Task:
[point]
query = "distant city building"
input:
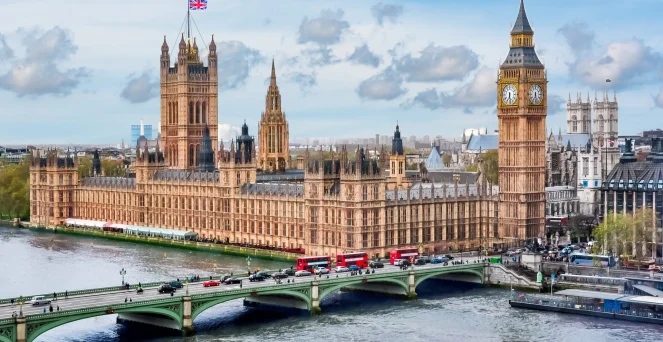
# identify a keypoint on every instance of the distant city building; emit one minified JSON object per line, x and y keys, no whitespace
{"x":138,"y":130}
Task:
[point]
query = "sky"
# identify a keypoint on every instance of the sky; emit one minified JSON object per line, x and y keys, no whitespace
{"x":74,"y":72}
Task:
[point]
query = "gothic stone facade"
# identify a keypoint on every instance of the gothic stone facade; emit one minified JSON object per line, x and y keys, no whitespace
{"x":336,"y":205}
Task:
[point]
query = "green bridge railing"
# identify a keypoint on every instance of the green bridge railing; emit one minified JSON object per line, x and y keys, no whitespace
{"x":113,"y":288}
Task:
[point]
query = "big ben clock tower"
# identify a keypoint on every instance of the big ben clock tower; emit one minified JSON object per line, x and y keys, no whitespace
{"x":521,"y":112}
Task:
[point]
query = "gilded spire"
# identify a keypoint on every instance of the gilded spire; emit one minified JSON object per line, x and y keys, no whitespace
{"x":522,"y":24}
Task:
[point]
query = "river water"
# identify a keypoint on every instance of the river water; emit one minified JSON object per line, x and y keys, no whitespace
{"x":37,"y":262}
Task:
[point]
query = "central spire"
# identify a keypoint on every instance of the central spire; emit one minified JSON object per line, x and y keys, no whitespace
{"x":272,"y":81}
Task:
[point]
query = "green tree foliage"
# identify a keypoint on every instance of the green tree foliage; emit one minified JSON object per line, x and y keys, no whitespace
{"x":412,"y":166}
{"x":490,"y":166}
{"x":15,"y":190}
{"x":626,"y":234}
{"x":113,"y":168}
{"x":472,"y":168}
{"x":84,"y":166}
{"x":446,"y":159}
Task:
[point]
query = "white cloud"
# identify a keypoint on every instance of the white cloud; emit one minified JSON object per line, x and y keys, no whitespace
{"x":38,"y":72}
{"x":325,"y":29}
{"x":383,"y":13}
{"x":624,"y":63}
{"x":556,"y":104}
{"x":6,"y":52}
{"x":140,"y":88}
{"x":658,"y":100}
{"x":304,"y":81}
{"x":363,"y":55}
{"x":478,"y":92}
{"x":386,"y":85}
{"x":235,"y":62}
{"x":228,"y":132}
{"x":438,"y":63}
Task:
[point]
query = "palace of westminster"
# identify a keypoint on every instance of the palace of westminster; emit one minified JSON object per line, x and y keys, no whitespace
{"x":253,"y":192}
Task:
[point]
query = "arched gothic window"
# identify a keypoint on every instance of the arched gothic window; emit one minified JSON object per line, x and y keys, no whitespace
{"x":204,"y":112}
{"x":191,"y":112}
{"x":601,"y":123}
{"x":574,"y":124}
{"x":197,"y":112}
{"x":191,"y":155}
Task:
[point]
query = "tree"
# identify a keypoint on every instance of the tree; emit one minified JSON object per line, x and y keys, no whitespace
{"x":490,"y":166}
{"x":446,"y":159}
{"x":113,"y":168}
{"x":15,"y":190}
{"x":471,"y":168}
{"x":84,"y":166}
{"x":627,"y":234}
{"x":580,"y":225}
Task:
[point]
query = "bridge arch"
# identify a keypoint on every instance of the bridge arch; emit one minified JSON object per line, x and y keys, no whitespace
{"x":201,"y":305}
{"x":442,"y":271}
{"x":10,"y":331}
{"x":326,"y":290}
{"x":73,"y":317}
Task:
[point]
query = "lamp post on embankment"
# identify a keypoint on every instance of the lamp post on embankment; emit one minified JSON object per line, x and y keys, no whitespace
{"x":122,"y":273}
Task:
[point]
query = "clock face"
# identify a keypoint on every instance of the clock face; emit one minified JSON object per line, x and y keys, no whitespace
{"x":509,"y":94}
{"x":535,"y":94}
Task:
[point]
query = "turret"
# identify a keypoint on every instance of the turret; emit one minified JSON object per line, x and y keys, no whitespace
{"x":212,"y":57}
{"x":165,"y":58}
{"x":182,"y":55}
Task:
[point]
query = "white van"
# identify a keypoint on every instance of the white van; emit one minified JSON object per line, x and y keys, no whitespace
{"x":39,"y":300}
{"x":398,"y":262}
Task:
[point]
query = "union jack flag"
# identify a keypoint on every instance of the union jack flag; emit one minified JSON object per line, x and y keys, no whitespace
{"x":195,"y":5}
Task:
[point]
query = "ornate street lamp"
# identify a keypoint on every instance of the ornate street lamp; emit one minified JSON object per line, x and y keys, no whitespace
{"x":20,"y":305}
{"x":122,"y":273}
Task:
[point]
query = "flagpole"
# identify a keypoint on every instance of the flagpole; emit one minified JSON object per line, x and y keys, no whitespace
{"x":188,"y":21}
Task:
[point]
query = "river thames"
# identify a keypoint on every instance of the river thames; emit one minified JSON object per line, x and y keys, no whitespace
{"x":37,"y":262}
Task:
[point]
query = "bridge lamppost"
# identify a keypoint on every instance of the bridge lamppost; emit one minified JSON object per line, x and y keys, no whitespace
{"x":248,"y":264}
{"x":20,"y":306}
{"x":122,"y":273}
{"x":186,"y":282}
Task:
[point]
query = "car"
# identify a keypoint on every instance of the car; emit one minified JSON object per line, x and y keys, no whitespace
{"x":353,"y":268}
{"x":302,"y":273}
{"x":176,"y":284}
{"x":257,"y":277}
{"x":211,"y":283}
{"x":449,"y":256}
{"x":436,"y":261}
{"x":405,"y":263}
{"x":289,"y":271}
{"x":322,"y":270}
{"x":375,"y":264}
{"x":425,"y":258}
{"x":398,"y":262}
{"x":279,"y":275}
{"x":419,"y":262}
{"x":232,"y":280}
{"x":223,"y":279}
{"x":342,"y":269}
{"x":39,"y":300}
{"x":166,"y":288}
{"x":264,"y":274}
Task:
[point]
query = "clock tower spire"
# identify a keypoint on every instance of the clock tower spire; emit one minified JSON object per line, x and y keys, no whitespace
{"x":521,"y":113}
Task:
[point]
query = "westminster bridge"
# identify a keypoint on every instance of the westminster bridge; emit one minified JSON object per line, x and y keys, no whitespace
{"x":25,"y":323}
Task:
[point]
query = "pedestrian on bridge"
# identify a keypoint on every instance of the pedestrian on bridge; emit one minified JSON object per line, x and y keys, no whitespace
{"x":44,"y":309}
{"x":50,"y":308}
{"x":12,"y":301}
{"x":125,"y":299}
{"x":240,"y":283}
{"x":66,"y":294}
{"x":58,"y":309}
{"x":55,"y":296}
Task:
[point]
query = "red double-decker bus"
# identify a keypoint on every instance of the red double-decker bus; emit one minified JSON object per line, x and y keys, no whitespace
{"x":408,"y":254}
{"x":308,"y":263}
{"x":360,"y":259}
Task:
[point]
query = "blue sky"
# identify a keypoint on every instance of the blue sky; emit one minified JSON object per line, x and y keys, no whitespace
{"x":83,"y":72}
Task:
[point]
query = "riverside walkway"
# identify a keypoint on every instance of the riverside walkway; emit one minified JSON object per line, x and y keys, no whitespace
{"x":179,"y":311}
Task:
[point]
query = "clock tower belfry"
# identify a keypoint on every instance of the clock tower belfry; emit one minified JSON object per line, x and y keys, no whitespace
{"x":521,"y":112}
